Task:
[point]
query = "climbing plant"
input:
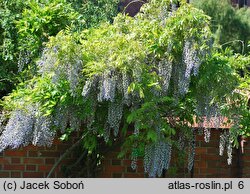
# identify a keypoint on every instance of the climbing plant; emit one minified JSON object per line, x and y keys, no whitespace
{"x":145,"y":80}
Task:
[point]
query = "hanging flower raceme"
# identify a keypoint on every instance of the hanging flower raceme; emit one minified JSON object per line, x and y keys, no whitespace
{"x":25,"y":127}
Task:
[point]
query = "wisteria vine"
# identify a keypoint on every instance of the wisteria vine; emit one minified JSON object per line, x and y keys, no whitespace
{"x":137,"y":70}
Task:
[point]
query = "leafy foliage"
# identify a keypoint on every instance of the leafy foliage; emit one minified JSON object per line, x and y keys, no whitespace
{"x":230,"y":25}
{"x":40,"y":21}
{"x":26,"y":26}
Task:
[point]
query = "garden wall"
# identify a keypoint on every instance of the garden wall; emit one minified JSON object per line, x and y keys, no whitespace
{"x":37,"y":161}
{"x":33,"y":162}
{"x":207,"y":163}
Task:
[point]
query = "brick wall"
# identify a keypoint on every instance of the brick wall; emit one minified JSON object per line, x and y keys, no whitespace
{"x":112,"y":167}
{"x":246,"y":160}
{"x":37,"y":161}
{"x":207,"y":164}
{"x":31,"y":161}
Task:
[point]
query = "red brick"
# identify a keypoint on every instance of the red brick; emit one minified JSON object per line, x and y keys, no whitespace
{"x":68,"y":161}
{"x":246,"y":170}
{"x":214,"y":150}
{"x":49,"y":161}
{"x":197,"y":157}
{"x":50,"y":154}
{"x":130,"y":170}
{"x":46,"y":168}
{"x":246,"y":157}
{"x":246,"y":150}
{"x":133,"y":175}
{"x":207,"y":162}
{"x":126,"y":162}
{"x":210,"y":171}
{"x":196,"y":171}
{"x":200,"y":150}
{"x":31,"y":147}
{"x":62,"y":147}
{"x":106,"y":162}
{"x":140,"y":169}
{"x":210,"y":157}
{"x":16,"y":175}
{"x":52,"y":147}
{"x":112,"y":155}
{"x":4,"y":174}
{"x":210,"y":144}
{"x":33,"y":175}
{"x":5,"y":160}
{"x":200,"y":164}
{"x":33,"y":153}
{"x":15,"y":160}
{"x":57,"y":141}
{"x":14,"y":167}
{"x":115,"y":169}
{"x":116,"y":162}
{"x":140,"y":162}
{"x":33,"y":160}
{"x":31,"y":167}
{"x":15,"y":153}
{"x":199,"y":137}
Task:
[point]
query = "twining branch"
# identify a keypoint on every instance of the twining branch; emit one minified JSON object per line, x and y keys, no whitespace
{"x":68,"y":151}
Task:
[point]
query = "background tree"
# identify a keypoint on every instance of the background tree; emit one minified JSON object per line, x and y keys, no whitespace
{"x":26,"y":25}
{"x":231,"y":28}
{"x":230,"y":25}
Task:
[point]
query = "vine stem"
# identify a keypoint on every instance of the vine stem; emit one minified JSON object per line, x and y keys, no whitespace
{"x":242,"y":43}
{"x":8,"y":80}
{"x":68,"y":151}
{"x":135,"y":1}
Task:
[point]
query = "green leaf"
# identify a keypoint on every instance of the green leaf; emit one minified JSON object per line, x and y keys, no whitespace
{"x":131,"y":87}
{"x":64,"y":137}
{"x":141,"y":93}
{"x":151,"y":135}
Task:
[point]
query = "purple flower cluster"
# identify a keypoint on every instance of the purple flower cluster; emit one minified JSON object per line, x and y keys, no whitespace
{"x":115,"y":111}
{"x":107,"y":87}
{"x":225,"y":142}
{"x":157,"y":158}
{"x":25,"y":127}
{"x":165,"y":72}
{"x":69,"y":68}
